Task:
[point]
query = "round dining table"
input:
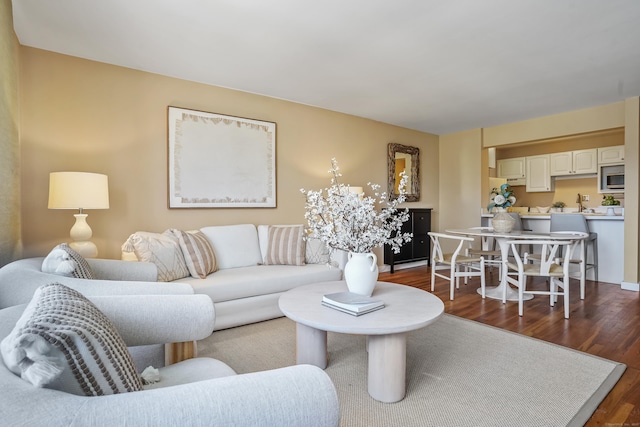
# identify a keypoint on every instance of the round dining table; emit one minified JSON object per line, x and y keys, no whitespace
{"x":503,"y":291}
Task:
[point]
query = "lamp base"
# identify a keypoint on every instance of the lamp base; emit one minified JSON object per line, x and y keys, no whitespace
{"x":87,"y":249}
{"x":81,"y":233}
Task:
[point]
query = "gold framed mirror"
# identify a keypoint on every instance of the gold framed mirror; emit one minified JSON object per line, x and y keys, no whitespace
{"x":403,"y":158}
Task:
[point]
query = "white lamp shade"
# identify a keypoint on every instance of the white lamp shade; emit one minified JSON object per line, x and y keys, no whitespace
{"x":78,"y":190}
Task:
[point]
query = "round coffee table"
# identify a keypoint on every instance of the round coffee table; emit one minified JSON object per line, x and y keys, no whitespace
{"x":406,"y":309}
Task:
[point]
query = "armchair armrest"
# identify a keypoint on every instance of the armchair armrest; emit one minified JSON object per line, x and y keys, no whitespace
{"x":158,"y":319}
{"x":113,"y":269}
{"x":301,"y":395}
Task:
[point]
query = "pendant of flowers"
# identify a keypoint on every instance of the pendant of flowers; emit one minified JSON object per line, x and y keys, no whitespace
{"x":502,"y":198}
{"x":352,"y":222}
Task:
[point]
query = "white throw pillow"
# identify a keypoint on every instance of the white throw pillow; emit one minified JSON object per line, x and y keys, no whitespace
{"x":234,"y":245}
{"x":317,"y":252}
{"x":161,"y":249}
{"x":285,"y":245}
{"x":64,"y":342}
{"x":64,"y":261}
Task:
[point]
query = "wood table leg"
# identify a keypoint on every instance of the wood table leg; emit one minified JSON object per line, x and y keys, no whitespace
{"x":387,"y":367}
{"x":311,"y":346}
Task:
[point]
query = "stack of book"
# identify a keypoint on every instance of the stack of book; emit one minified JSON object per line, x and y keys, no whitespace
{"x":351,"y":303}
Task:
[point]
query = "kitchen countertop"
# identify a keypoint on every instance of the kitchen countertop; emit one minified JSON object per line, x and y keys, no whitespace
{"x":589,"y":216}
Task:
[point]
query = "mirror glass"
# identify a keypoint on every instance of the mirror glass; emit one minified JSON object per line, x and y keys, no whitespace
{"x":403,"y":158}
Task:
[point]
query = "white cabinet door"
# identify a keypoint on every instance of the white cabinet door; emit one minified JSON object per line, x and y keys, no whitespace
{"x":511,"y":168}
{"x":560,"y":163}
{"x":573,"y":162}
{"x":538,"y":177}
{"x":611,"y":155}
{"x":585,"y":161}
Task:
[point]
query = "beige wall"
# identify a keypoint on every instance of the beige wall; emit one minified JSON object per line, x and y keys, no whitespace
{"x":87,"y":116}
{"x":9,"y":139}
{"x":460,"y":184}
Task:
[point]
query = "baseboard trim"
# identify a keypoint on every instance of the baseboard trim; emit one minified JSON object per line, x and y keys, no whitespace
{"x":628,"y":286}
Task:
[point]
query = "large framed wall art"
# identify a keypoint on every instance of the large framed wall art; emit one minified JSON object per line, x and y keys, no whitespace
{"x":218,"y":161}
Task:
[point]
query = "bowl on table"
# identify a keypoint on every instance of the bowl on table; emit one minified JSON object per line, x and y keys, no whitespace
{"x":543,"y":209}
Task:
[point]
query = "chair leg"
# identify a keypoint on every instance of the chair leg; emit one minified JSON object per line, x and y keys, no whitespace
{"x":482,"y":280}
{"x":521,"y":285}
{"x":433,"y":275}
{"x":452,"y":279}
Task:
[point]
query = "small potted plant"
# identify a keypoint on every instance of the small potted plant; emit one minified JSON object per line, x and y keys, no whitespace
{"x":610,"y":202}
{"x":558,"y":206}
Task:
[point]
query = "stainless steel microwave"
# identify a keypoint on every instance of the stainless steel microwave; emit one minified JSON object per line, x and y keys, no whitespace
{"x":611,"y":179}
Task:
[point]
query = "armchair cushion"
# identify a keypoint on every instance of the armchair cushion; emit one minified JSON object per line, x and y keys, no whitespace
{"x":63,"y":260}
{"x":64,"y":342}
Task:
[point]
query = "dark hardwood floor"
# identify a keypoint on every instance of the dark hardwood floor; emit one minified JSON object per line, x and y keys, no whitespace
{"x":606,"y":324}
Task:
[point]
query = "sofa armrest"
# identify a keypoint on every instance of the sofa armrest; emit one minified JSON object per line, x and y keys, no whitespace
{"x":300,"y":395}
{"x":113,"y":269}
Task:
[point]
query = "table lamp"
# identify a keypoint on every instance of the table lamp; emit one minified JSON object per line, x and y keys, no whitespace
{"x":79,"y":190}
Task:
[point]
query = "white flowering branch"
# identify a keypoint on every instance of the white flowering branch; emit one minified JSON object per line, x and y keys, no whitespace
{"x":350,"y":222}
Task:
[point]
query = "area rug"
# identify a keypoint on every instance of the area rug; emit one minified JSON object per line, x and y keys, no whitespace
{"x":459,"y":373}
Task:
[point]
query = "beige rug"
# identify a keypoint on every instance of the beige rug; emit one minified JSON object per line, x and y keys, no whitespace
{"x":459,"y":373}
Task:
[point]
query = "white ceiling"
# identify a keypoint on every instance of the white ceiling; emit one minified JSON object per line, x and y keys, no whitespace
{"x":438,"y":66}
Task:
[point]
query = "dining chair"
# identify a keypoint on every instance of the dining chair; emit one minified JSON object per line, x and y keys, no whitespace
{"x":550,"y":266}
{"x":458,"y":264}
{"x":561,"y":223}
{"x":487,"y":250}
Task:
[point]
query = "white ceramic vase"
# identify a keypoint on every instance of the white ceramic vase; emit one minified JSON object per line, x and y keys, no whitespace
{"x":502,"y":222}
{"x":361,"y":273}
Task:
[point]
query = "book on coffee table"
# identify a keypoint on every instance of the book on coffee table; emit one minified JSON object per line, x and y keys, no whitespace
{"x":351,"y":303}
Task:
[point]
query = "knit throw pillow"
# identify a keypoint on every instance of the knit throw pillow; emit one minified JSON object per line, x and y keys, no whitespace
{"x":63,"y":341}
{"x":198,"y":253}
{"x":63,"y":260}
{"x":286,"y":245}
{"x":161,"y":249}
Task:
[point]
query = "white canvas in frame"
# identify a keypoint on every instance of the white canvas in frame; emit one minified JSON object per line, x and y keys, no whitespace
{"x":218,"y":161}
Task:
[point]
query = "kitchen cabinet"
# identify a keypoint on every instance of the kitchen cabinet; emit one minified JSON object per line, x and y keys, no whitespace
{"x":538,"y":178}
{"x":611,"y":155}
{"x":511,"y":168}
{"x":573,"y":162}
{"x":419,"y":248}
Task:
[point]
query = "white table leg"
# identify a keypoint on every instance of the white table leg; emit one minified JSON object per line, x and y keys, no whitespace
{"x":387,"y":367}
{"x":495,"y":292}
{"x":311,"y":346}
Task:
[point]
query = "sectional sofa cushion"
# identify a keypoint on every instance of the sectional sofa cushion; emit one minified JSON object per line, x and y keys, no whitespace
{"x":234,"y":245}
{"x":64,"y":342}
{"x":162,"y":249}
{"x":198,"y":253}
{"x":285,"y":245}
{"x":63,"y":260}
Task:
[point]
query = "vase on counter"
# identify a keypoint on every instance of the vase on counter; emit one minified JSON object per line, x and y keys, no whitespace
{"x":502,"y":222}
{"x":361,"y":273}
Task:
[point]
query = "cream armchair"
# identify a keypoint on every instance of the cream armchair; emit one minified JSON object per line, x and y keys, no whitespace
{"x":196,"y":392}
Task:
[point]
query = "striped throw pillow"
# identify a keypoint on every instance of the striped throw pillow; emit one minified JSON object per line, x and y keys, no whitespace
{"x":286,"y":245}
{"x":198,"y":253}
{"x":64,"y":342}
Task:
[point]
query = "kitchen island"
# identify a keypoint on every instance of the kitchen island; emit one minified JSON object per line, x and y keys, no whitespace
{"x":610,"y":229}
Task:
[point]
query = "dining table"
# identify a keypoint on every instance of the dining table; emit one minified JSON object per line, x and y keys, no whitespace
{"x":504,"y":291}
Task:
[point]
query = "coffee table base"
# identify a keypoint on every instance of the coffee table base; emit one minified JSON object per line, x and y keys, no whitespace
{"x":387,"y":360}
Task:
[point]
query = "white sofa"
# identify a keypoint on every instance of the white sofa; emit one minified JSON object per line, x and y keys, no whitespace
{"x":244,"y":290}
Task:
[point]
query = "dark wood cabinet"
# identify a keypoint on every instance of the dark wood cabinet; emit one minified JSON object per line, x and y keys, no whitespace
{"x":419,"y":248}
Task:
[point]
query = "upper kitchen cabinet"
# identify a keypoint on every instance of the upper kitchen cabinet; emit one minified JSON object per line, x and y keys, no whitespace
{"x":611,"y":155}
{"x":511,"y":168}
{"x":537,"y":171}
{"x":574,"y":162}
